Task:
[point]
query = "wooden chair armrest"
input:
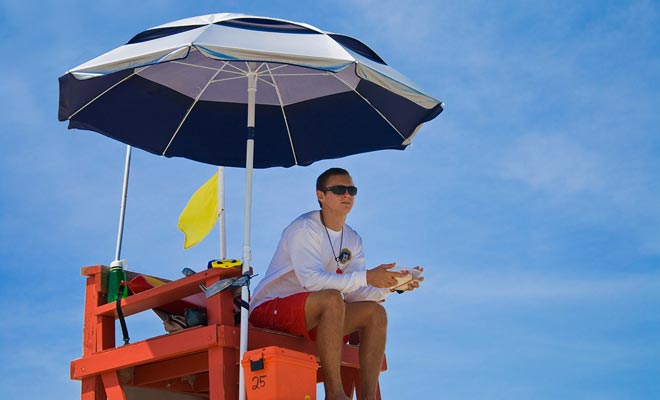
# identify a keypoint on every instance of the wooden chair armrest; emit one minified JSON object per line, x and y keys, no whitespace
{"x":167,"y":293}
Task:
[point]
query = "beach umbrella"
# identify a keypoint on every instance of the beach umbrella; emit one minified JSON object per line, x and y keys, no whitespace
{"x":190,"y":88}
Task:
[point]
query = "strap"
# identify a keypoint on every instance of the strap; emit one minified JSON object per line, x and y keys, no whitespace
{"x":120,"y":314}
{"x":219,"y":286}
{"x":240,"y":303}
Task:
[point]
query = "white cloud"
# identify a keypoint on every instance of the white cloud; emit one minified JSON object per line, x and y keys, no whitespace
{"x":25,"y":108}
{"x":394,"y":19}
{"x":551,"y":163}
{"x":527,"y":288}
{"x":651,"y":243}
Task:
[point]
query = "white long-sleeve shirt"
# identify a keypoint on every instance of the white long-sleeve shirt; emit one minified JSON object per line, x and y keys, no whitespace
{"x":305,"y":262}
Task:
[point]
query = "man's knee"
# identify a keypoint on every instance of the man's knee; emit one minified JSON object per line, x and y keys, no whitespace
{"x":330,"y":299}
{"x":327,"y":301}
{"x":377,"y":315}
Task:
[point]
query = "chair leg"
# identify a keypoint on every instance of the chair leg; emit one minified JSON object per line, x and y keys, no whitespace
{"x":349,"y":380}
{"x":113,"y":388}
{"x":92,"y":389}
{"x":223,"y":373}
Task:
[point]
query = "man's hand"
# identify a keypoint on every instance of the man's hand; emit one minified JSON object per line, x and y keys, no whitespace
{"x":414,"y":284}
{"x":380,"y":277}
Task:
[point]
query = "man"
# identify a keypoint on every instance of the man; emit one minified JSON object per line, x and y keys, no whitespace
{"x":317,"y":286}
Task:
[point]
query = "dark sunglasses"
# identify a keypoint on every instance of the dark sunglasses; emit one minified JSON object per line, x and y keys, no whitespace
{"x":340,"y":189}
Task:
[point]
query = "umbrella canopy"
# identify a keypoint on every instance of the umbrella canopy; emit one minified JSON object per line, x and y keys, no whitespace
{"x":180,"y":90}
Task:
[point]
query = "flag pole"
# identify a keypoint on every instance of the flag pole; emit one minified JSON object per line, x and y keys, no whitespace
{"x":122,"y":210}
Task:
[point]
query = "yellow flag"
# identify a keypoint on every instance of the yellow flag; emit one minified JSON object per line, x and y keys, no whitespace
{"x":200,"y":214}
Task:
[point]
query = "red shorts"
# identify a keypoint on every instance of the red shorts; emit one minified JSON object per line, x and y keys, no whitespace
{"x":286,"y":314}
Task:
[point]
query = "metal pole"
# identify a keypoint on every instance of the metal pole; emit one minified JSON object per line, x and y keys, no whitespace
{"x":222,"y":223}
{"x":247,"y":254}
{"x":122,"y":211}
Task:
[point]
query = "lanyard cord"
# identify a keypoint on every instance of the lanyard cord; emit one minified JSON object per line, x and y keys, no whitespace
{"x":341,"y":242}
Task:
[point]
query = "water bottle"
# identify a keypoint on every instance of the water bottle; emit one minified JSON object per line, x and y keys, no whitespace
{"x":116,"y":276}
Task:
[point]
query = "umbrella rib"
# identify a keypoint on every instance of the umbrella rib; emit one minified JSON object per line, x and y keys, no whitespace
{"x":259,"y":67}
{"x":183,"y":120}
{"x":267,"y":71}
{"x":303,"y":74}
{"x":271,"y":69}
{"x":261,"y":79}
{"x":228,"y":79}
{"x":239,"y":72}
{"x":370,"y":105}
{"x":236,"y":68}
{"x":224,"y":64}
{"x":286,"y":122}
{"x":101,"y":94}
{"x":275,"y":68}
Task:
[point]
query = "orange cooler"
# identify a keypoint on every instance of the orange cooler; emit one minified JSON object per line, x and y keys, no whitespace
{"x":275,"y":373}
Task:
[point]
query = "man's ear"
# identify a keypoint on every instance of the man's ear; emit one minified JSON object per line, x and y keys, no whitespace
{"x":320,"y":196}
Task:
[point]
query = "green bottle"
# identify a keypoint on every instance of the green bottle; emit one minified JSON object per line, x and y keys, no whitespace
{"x":116,"y":276}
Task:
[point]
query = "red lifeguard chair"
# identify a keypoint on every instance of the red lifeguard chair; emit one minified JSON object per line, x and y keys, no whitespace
{"x":197,"y":362}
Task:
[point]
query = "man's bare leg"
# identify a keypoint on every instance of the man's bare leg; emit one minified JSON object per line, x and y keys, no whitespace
{"x":370,"y":320}
{"x":325,"y":310}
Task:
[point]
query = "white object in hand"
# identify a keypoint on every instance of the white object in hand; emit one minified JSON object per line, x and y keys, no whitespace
{"x":410,"y":274}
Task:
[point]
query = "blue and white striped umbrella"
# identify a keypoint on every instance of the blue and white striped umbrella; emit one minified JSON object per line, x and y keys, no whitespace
{"x":190,"y":88}
{"x":180,"y":90}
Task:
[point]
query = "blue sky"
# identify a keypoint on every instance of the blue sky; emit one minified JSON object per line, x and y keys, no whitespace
{"x":533,"y":201}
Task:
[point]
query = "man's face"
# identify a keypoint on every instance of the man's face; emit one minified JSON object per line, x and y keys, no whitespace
{"x":339,"y":203}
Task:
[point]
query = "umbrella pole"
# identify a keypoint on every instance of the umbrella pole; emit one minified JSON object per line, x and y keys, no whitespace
{"x":122,"y":210}
{"x":222,"y":223}
{"x":247,"y":254}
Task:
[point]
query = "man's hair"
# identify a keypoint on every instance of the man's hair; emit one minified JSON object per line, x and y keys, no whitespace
{"x":322,"y":180}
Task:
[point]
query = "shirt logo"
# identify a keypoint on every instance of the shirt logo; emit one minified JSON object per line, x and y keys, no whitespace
{"x":345,"y":256}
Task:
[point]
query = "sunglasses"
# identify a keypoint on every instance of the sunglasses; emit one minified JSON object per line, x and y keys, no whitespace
{"x":340,"y":189}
